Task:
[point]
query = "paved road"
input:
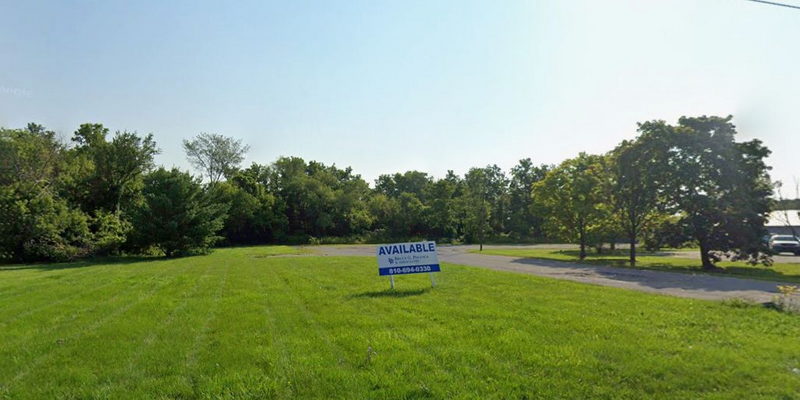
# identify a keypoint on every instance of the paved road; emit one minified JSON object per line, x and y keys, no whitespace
{"x":698,"y":286}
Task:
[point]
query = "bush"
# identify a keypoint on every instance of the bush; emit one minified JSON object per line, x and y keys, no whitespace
{"x":665,"y":233}
{"x":788,"y":300}
{"x":109,"y":232}
{"x":177,"y":216}
{"x":38,"y":226}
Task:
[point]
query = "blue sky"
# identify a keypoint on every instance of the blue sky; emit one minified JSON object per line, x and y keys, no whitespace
{"x":387,"y":86}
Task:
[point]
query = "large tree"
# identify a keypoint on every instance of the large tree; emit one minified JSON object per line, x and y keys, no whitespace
{"x":440,"y":219}
{"x":497,"y":195}
{"x":477,"y":204}
{"x":320,"y":200}
{"x":215,"y":156}
{"x":572,"y":196}
{"x":523,"y":222}
{"x":253,"y":216}
{"x":31,"y":155}
{"x":114,"y":168}
{"x":720,"y":188}
{"x":636,"y":179}
{"x":35,"y":222}
{"x":394,"y":185}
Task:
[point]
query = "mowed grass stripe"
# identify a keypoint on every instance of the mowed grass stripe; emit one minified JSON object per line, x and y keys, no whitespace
{"x":166,"y":346}
{"x":340,"y":346}
{"x":233,"y":363}
{"x":585,"y":324}
{"x":69,"y":311}
{"x":475,"y":300}
{"x":344,"y":347}
{"x":385,"y":317}
{"x":169,"y":335}
{"x":72,"y":341}
{"x":41,"y":299}
{"x":27,"y":280}
{"x":61,"y":285}
{"x":191,"y":368}
{"x":431,"y":329}
{"x":238,"y":324}
{"x":36,"y":331}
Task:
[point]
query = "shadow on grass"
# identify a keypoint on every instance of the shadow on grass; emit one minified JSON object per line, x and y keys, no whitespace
{"x":51,"y":266}
{"x":651,"y":276}
{"x":620,"y":255}
{"x":669,"y":265}
{"x":760,"y":273}
{"x":391,"y":293}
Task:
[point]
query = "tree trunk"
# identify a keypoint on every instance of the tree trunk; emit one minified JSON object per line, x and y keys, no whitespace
{"x":633,"y":250}
{"x":582,"y":238}
{"x":707,"y":264}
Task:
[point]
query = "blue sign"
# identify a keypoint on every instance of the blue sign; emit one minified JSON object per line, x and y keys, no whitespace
{"x":407,"y":258}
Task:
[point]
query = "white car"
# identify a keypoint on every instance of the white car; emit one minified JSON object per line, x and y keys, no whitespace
{"x":785,"y":244}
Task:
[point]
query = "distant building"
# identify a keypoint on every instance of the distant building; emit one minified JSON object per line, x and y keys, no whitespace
{"x":783,"y":222}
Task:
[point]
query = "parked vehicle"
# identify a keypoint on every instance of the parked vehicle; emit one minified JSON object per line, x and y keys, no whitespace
{"x":785,"y":244}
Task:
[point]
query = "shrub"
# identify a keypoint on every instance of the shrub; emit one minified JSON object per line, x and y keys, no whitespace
{"x":789,"y":298}
{"x":38,"y":226}
{"x":109,"y":232}
{"x":177,"y":215}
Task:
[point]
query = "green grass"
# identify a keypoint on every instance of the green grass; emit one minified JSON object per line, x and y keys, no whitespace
{"x":786,"y":272}
{"x":267,"y":251}
{"x":237,"y":324}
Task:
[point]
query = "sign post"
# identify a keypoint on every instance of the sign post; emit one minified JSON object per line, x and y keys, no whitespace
{"x":407,"y":258}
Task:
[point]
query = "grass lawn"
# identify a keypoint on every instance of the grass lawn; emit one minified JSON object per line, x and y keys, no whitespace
{"x":244,"y":323}
{"x":786,"y":272}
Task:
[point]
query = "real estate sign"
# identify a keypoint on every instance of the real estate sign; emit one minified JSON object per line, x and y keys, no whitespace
{"x":407,"y":258}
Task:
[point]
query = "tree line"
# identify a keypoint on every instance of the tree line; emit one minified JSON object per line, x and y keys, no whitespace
{"x":102,"y":194}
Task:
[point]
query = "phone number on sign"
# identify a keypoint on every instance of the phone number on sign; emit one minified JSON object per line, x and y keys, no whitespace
{"x":405,"y":270}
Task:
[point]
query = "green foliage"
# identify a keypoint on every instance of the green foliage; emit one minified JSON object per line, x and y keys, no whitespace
{"x":440,"y":214}
{"x":720,"y":188}
{"x":484,"y":203}
{"x":637,"y":171}
{"x":787,"y":204}
{"x":572,"y":196}
{"x":523,"y":222}
{"x":177,"y":216}
{"x":215,"y":156}
{"x":665,"y":231}
{"x":687,"y":182}
{"x":253,"y":216}
{"x":31,"y":155}
{"x":109,"y":232}
{"x":36,"y":225}
{"x":112,"y":170}
{"x":413,"y":182}
{"x":477,"y":203}
{"x":35,"y":222}
{"x":320,"y":200}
